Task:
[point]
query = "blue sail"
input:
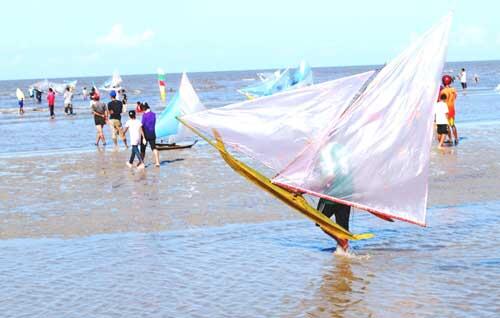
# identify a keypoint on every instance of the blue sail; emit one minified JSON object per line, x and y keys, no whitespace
{"x":280,"y":81}
{"x":184,"y":102}
{"x":167,"y":124}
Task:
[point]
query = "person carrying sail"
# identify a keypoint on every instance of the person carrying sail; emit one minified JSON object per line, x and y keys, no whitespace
{"x":451,"y":95}
{"x":342,"y":213}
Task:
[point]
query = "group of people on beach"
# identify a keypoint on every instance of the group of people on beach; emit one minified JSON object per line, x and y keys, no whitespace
{"x":141,"y":132}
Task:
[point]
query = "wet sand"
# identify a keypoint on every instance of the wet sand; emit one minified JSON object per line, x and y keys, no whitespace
{"x":72,"y":194}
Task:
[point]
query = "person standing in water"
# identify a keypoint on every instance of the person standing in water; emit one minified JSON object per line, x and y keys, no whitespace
{"x":115,"y":108}
{"x":441,"y":118}
{"x":342,"y":213}
{"x":451,"y":95}
{"x":20,"y":100}
{"x":85,"y":93}
{"x":463,"y":79}
{"x":38,"y":95}
{"x":136,"y":136}
{"x":148,"y":126}
{"x":100,"y":113}
{"x":51,"y":100}
{"x":68,"y":101}
{"x":476,"y":78}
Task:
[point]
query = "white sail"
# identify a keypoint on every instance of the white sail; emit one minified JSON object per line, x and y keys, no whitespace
{"x":185,"y":102}
{"x":114,"y":83}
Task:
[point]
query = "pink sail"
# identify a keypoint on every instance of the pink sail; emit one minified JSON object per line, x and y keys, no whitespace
{"x":363,"y":140}
{"x":275,"y":129}
{"x":376,"y":157}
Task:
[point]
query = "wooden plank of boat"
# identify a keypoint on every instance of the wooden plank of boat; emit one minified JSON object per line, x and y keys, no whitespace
{"x":174,"y":146}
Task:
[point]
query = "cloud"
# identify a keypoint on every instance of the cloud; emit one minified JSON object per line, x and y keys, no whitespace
{"x":88,"y":58}
{"x":471,"y":35}
{"x":16,"y":60}
{"x":117,"y":37}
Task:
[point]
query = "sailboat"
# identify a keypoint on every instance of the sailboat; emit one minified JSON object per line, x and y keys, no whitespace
{"x":112,"y":84}
{"x":45,"y":84}
{"x":362,"y":140}
{"x":279,"y":81}
{"x":184,"y":102}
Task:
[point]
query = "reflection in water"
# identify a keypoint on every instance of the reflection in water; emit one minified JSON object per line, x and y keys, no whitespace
{"x":340,"y":292}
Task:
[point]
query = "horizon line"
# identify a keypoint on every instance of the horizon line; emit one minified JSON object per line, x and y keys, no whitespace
{"x":220,"y":71}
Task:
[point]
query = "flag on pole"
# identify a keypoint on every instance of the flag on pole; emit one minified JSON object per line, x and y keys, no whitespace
{"x":161,"y":84}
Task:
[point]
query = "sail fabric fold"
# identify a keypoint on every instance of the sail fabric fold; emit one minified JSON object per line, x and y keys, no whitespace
{"x":184,"y":102}
{"x":275,"y":129}
{"x":376,"y":156}
{"x":362,"y":140}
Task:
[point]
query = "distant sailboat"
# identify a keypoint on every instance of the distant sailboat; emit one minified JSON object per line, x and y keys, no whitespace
{"x":44,"y":86}
{"x":279,"y":81}
{"x":113,"y":84}
{"x":362,"y":140}
{"x":184,"y":102}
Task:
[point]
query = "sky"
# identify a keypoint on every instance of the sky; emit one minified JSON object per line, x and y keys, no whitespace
{"x":54,"y":39}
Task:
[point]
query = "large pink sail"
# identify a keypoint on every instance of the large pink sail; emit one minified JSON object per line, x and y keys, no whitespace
{"x":363,"y":140}
{"x":376,"y":157}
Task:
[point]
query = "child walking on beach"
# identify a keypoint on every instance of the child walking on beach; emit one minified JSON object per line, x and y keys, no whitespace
{"x":441,"y":118}
{"x":136,"y":136}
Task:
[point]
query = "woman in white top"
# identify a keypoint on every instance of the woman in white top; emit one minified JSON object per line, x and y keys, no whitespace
{"x":463,"y":79}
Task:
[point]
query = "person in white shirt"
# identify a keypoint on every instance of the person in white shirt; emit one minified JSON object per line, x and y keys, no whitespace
{"x":85,"y":93}
{"x":68,"y":101}
{"x":136,"y":136}
{"x":463,"y":79}
{"x":441,"y":119}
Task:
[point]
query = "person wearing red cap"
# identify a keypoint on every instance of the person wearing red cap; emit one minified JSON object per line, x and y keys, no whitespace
{"x":451,"y":96}
{"x":100,"y":112}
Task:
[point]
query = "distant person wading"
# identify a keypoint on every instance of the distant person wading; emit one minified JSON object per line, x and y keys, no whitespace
{"x":51,"y":101}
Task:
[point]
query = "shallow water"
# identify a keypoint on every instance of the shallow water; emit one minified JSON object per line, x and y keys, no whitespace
{"x":277,"y":269}
{"x":83,"y":236}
